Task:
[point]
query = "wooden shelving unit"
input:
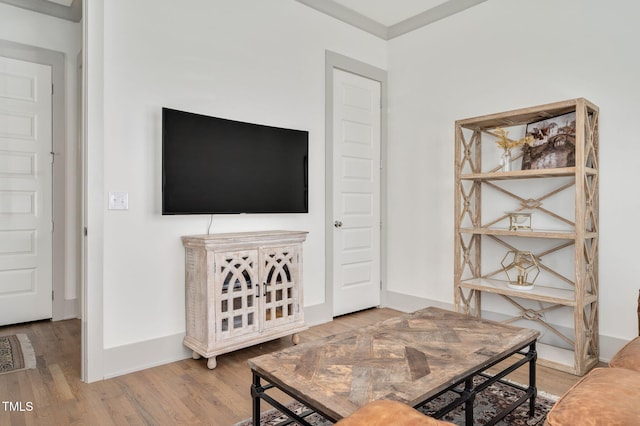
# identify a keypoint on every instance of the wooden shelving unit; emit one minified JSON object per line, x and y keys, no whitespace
{"x":575,"y":293}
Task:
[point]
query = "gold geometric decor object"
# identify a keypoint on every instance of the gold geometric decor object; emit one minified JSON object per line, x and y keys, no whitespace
{"x":521,"y":269}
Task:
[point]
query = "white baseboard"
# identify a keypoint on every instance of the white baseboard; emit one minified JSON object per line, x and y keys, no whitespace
{"x":317,"y":314}
{"x":138,"y":356}
{"x":408,"y":303}
{"x":608,"y":345}
{"x":71,"y":310}
{"x":151,"y":353}
{"x":126,"y":359}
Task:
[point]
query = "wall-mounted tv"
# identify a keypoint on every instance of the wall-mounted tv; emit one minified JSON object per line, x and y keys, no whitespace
{"x":213,"y":165}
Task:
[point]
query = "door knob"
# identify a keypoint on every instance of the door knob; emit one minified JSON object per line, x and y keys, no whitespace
{"x":337,"y":224}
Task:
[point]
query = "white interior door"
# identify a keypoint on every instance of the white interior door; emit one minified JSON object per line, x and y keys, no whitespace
{"x":356,"y":192}
{"x":25,"y":191}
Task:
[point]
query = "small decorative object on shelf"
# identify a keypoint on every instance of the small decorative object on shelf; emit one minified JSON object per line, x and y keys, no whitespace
{"x":507,"y":145}
{"x":505,"y":160}
{"x":521,"y":268}
{"x":519,"y":220}
{"x":553,"y":144}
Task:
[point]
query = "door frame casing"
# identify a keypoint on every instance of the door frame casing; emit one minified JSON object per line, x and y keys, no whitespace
{"x":56,"y":60}
{"x":335,"y":60}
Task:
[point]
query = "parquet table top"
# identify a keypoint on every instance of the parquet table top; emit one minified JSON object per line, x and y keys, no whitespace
{"x":410,"y":359}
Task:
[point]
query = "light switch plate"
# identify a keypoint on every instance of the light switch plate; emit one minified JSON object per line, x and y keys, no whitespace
{"x":118,"y":201}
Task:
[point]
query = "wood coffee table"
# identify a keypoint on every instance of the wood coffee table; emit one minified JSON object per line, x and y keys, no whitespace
{"x":413,"y":358}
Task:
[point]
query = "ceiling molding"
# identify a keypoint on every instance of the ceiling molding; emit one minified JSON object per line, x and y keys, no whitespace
{"x":72,"y":13}
{"x":328,"y":7}
{"x":348,"y":16}
{"x":430,"y":16}
{"x":352,"y":17}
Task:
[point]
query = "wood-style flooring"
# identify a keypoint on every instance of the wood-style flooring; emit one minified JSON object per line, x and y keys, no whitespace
{"x":183,"y":392}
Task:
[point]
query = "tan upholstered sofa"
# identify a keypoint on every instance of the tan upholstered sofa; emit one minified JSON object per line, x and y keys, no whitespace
{"x":605,"y":396}
{"x":386,"y":413}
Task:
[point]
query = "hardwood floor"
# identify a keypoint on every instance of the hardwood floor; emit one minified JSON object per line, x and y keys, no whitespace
{"x":183,"y":392}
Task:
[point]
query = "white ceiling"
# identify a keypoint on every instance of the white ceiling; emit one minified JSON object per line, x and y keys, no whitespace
{"x":390,"y":18}
{"x":389,"y":12}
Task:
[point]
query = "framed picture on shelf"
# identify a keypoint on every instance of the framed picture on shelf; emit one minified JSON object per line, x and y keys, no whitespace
{"x":554,"y":143}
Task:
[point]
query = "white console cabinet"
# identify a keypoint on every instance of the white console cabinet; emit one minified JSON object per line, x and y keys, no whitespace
{"x":242,"y":289}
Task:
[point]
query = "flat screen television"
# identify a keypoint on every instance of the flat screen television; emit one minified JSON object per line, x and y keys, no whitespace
{"x":213,"y":165}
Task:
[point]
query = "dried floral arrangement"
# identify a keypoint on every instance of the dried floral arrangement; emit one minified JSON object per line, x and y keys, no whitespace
{"x":507,"y":144}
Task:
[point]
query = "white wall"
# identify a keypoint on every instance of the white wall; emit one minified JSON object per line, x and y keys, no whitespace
{"x":498,"y":56}
{"x":42,"y":31}
{"x":264,"y":62}
{"x":247,"y":60}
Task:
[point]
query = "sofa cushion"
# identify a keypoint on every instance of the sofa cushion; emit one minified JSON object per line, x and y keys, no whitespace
{"x":628,"y":356}
{"x":385,"y":413}
{"x":604,"y":397}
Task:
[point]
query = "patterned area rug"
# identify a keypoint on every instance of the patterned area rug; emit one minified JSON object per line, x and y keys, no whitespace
{"x":16,"y":353}
{"x":487,"y":403}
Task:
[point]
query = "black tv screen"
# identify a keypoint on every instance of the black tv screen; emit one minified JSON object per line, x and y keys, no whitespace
{"x":213,"y":165}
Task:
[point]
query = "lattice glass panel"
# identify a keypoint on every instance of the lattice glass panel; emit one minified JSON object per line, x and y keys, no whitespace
{"x":280,"y":285}
{"x":238,"y":280}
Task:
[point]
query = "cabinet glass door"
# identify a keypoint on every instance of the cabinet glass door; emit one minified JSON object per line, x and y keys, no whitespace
{"x":280,"y":286}
{"x":237,"y":287}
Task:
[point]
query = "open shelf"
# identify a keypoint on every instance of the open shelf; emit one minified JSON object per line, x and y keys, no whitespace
{"x":525,"y":115}
{"x":563,"y":235}
{"x":538,"y":292}
{"x":526,"y":174}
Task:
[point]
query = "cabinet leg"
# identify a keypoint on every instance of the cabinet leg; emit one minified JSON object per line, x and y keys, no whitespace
{"x":211,"y":363}
{"x":295,"y":339}
{"x":195,"y":355}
